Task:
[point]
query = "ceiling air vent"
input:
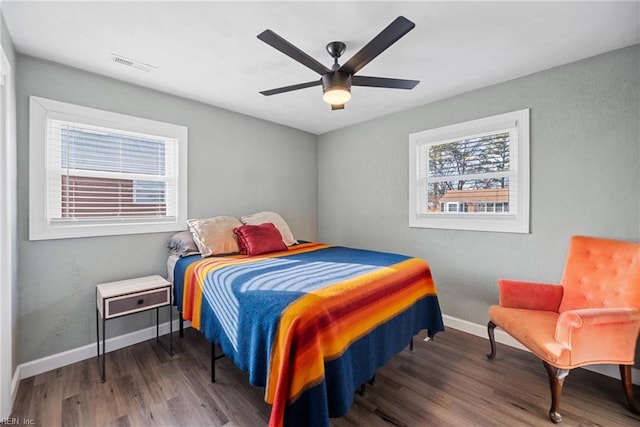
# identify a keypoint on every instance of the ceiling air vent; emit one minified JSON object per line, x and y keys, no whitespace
{"x":132,"y":63}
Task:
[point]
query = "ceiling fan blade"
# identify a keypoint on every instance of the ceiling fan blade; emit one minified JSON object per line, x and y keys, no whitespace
{"x":394,"y":31}
{"x":337,"y":107}
{"x":277,"y":42}
{"x":383,"y":82}
{"x":290,"y":88}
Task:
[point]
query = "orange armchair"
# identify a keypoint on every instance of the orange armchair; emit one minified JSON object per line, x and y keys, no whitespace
{"x":592,"y":317}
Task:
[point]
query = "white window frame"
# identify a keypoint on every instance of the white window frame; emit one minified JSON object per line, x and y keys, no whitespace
{"x":517,"y":220}
{"x":40,"y":228}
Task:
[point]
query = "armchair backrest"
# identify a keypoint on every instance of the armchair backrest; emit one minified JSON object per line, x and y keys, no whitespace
{"x":601,"y":273}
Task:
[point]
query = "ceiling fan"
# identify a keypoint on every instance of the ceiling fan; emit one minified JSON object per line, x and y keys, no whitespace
{"x":337,"y":81}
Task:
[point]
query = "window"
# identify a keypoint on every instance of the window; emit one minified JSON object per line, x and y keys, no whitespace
{"x":472,"y":175}
{"x":96,"y":173}
{"x":451,"y":207}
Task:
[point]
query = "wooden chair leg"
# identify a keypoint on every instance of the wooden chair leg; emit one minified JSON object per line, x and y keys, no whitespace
{"x":556,"y":381}
{"x":492,"y":340}
{"x":625,"y":374}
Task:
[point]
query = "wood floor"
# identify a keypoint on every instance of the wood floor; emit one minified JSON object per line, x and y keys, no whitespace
{"x":445,"y":382}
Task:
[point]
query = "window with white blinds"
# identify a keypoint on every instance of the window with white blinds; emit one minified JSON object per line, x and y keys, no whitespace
{"x":95,"y":172}
{"x":472,"y":175}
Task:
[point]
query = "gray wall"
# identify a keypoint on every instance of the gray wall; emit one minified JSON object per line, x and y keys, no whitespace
{"x":237,"y":165}
{"x":585,"y":178}
{"x":348,"y":187}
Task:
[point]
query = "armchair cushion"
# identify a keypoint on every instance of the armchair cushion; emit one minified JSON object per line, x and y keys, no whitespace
{"x":529,"y":295}
{"x":534,"y":329}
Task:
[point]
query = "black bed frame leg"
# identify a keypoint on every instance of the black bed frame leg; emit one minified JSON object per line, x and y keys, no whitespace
{"x":181,"y":325}
{"x":213,"y":363}
{"x":363,"y":386}
{"x":411,"y":344}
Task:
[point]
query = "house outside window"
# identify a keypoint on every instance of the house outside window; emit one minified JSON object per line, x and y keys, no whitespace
{"x":97,"y":173}
{"x":472,"y":175}
{"x":474,"y":201}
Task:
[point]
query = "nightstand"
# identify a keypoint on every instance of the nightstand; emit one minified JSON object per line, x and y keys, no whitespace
{"x":125,"y":297}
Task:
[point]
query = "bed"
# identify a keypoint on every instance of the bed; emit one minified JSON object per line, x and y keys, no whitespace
{"x":309,"y":324}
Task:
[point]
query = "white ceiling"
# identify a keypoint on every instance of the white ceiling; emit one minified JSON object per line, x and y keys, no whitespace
{"x":208,"y":51}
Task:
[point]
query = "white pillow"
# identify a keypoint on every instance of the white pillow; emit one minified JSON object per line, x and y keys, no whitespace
{"x":275,"y":219}
{"x":215,"y":236}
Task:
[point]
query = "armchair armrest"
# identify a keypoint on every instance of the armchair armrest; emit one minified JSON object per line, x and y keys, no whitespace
{"x":584,"y":318}
{"x":530,"y":295}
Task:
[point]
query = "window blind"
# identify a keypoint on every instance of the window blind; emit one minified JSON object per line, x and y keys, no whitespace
{"x":99,"y":174}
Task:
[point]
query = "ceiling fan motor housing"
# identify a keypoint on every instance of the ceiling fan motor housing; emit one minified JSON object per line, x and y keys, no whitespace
{"x":335,"y":80}
{"x":336,"y":88}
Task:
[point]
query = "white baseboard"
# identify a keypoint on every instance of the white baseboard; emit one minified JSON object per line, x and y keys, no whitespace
{"x":504,"y":338}
{"x":59,"y":360}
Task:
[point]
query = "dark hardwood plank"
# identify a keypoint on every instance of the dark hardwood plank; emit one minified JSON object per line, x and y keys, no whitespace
{"x":445,"y":382}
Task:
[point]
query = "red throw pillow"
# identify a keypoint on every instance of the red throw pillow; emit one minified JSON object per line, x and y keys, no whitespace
{"x":259,"y":239}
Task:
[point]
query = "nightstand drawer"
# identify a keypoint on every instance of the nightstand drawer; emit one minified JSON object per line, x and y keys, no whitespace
{"x":127,"y":304}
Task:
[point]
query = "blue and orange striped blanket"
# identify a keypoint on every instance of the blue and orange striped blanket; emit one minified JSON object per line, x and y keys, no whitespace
{"x":310,"y":324}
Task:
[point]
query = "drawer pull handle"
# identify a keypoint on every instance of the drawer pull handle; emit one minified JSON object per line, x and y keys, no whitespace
{"x":140,"y":301}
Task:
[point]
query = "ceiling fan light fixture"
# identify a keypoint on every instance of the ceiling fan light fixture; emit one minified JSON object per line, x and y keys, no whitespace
{"x":336,"y":95}
{"x":336,"y":88}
